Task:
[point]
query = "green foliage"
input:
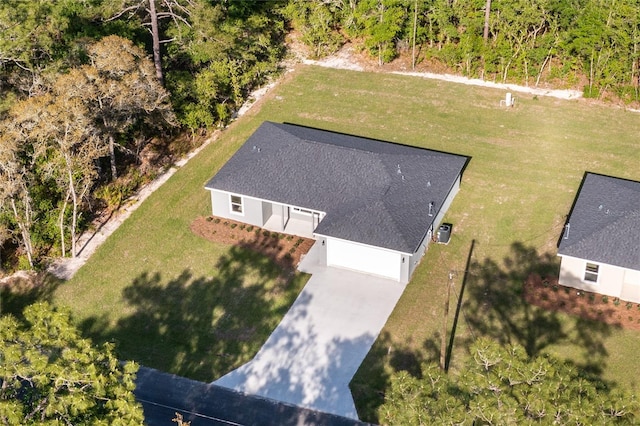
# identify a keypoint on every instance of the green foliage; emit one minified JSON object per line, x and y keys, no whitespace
{"x":318,"y":23}
{"x":502,"y":385}
{"x":50,"y":375}
{"x":223,"y":53}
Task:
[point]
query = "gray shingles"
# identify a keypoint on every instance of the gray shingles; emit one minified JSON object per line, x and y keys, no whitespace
{"x":354,"y":180}
{"x":604,"y":224}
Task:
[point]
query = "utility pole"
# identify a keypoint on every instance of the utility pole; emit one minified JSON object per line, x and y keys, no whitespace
{"x":445,"y":321}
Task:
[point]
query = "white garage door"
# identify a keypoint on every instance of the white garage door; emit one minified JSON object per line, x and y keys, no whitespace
{"x":363,"y":258}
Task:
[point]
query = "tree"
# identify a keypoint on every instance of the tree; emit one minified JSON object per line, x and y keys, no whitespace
{"x":150,"y":12}
{"x":227,"y":50}
{"x":65,"y":146}
{"x":50,"y":375}
{"x":502,"y":385}
{"x":120,"y":91}
{"x":15,"y":196}
{"x":317,"y":22}
{"x":381,"y":22}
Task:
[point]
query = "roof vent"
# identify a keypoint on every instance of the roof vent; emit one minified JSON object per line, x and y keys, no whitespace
{"x":428,"y":184}
{"x":399,"y":171}
{"x":431,"y":204}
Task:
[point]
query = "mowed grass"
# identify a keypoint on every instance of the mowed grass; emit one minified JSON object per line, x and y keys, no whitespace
{"x":161,"y":293}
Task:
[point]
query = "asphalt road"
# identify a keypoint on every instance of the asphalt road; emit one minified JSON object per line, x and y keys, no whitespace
{"x":163,"y":395}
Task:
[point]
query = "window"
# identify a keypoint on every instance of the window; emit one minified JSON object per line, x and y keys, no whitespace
{"x":236,"y":204}
{"x":591,"y":272}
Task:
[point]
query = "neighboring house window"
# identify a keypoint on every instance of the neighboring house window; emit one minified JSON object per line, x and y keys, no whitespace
{"x":236,"y":204}
{"x":591,"y":272}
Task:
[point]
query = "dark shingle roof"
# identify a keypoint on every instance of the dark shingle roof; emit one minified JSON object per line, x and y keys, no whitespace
{"x":604,"y":224}
{"x":354,"y":180}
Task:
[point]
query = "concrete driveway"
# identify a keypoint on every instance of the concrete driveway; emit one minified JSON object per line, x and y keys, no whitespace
{"x":313,"y":354}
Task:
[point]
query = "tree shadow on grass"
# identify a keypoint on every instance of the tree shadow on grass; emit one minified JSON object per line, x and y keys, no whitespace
{"x":496,"y":307}
{"x":385,"y":358}
{"x":492,"y":304}
{"x":19,"y":291}
{"x":201,"y":327}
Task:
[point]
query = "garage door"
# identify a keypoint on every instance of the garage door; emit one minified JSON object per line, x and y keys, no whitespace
{"x":363,"y":258}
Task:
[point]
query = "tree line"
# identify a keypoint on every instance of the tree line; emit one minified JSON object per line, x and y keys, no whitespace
{"x":592,"y":44}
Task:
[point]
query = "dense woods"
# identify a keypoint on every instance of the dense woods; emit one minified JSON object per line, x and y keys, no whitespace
{"x":89,"y":87}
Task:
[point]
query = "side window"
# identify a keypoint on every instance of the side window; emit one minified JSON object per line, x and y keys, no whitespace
{"x":236,"y":204}
{"x":591,"y":272}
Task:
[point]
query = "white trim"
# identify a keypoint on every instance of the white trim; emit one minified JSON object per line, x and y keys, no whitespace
{"x":233,"y":204}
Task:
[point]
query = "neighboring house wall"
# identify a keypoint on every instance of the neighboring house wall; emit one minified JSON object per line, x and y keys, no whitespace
{"x":611,"y":280}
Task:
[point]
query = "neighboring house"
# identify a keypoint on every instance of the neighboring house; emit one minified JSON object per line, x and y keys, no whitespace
{"x":600,"y":245}
{"x":372,"y":206}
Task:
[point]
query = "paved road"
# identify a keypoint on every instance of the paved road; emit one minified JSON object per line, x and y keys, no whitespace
{"x":162,"y":395}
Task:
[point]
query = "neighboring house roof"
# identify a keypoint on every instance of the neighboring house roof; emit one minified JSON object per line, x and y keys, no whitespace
{"x":604,"y":223}
{"x":372,"y":192}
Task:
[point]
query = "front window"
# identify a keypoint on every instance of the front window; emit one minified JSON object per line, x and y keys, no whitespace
{"x":591,"y":272}
{"x":236,"y":204}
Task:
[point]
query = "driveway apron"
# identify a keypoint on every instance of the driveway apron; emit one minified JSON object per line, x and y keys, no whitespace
{"x":314,"y":352}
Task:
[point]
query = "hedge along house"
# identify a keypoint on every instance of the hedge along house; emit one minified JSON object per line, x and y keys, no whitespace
{"x":600,"y":245}
{"x":372,"y":206}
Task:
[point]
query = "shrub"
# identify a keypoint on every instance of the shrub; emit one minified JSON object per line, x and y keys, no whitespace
{"x":616,"y":301}
{"x":209,"y":218}
{"x":216,"y":220}
{"x":592,"y":297}
{"x":629,"y":305}
{"x":249,"y":228}
{"x":266,"y":233}
{"x":242,"y":226}
{"x":605,"y":299}
{"x":233,"y":225}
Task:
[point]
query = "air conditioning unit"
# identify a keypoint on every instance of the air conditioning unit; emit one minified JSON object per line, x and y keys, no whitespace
{"x":444,"y":233}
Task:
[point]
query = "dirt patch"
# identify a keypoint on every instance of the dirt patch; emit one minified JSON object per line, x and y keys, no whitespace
{"x":284,"y":249}
{"x":548,"y":294}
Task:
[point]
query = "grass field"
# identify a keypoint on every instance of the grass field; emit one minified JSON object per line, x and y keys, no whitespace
{"x":173,"y":301}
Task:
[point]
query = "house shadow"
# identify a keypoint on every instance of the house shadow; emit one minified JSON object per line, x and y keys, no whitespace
{"x":200,"y":326}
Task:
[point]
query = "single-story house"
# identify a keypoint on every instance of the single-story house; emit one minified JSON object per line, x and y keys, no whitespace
{"x":372,"y":206}
{"x":600,"y":244}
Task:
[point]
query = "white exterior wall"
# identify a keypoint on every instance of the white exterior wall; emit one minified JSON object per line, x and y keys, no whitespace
{"x":364,"y":258}
{"x":612,"y":280}
{"x":252,"y":211}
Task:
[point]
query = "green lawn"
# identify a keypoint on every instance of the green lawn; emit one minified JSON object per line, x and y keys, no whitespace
{"x":173,"y":301}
